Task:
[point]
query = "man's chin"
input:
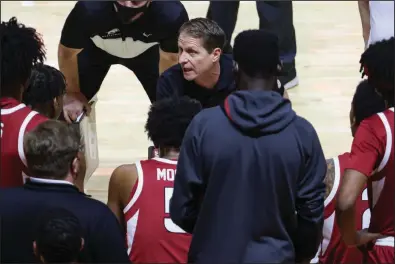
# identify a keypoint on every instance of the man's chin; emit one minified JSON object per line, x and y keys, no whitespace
{"x":189,"y":77}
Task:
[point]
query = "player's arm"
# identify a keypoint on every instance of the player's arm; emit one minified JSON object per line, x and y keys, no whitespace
{"x":310,"y":201}
{"x":329,"y":177}
{"x":169,"y":46}
{"x":72,"y":41}
{"x":364,"y":12}
{"x":364,"y":154}
{"x":122,"y":181}
{"x":188,"y":183}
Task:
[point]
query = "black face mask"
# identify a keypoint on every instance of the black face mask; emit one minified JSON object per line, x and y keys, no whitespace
{"x":126,"y":13}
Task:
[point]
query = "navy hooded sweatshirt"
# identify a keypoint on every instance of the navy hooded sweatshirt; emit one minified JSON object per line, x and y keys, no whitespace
{"x":249,"y":182}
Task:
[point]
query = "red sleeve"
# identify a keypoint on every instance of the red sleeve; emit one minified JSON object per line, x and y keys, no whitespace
{"x":366,"y":149}
{"x":36,"y":120}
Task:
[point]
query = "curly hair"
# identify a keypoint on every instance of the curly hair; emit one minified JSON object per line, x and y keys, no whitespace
{"x":377,"y":63}
{"x":366,"y":102}
{"x":46,"y":83}
{"x":58,"y":236}
{"x":168,"y":119}
{"x":21,"y":49}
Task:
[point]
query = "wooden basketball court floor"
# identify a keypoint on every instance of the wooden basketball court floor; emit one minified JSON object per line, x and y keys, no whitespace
{"x":329,"y":42}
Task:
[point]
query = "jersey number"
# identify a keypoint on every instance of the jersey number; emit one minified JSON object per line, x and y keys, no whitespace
{"x":169,"y":224}
{"x":2,"y":125}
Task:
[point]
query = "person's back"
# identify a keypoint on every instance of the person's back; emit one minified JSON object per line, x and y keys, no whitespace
{"x":54,"y":156}
{"x":21,"y":49}
{"x":261,"y":167}
{"x":139,"y":194}
{"x":152,"y":236}
{"x":250,"y":175}
{"x":30,"y":201}
{"x":16,"y":120}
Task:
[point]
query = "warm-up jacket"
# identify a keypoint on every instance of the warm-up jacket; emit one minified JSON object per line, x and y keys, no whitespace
{"x":249,"y":182}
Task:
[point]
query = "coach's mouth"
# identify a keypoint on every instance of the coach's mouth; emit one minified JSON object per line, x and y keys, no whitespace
{"x":186,"y":70}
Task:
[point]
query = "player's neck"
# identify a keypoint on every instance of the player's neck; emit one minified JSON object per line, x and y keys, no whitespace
{"x":255,"y":84}
{"x":209,"y":79}
{"x":169,"y":153}
{"x":17,"y":95}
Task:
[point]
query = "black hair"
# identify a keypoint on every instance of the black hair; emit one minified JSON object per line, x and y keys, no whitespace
{"x":206,"y":29}
{"x":21,"y":48}
{"x":256,"y":53}
{"x":168,"y":120}
{"x":377,"y":62}
{"x":46,"y":83}
{"x":58,"y":236}
{"x":366,"y":102}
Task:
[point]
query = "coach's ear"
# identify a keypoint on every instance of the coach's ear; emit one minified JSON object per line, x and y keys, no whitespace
{"x":36,"y":253}
{"x":216,"y":54}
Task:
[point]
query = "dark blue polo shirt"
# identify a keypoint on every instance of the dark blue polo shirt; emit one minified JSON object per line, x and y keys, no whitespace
{"x":172,"y":83}
{"x":97,"y":22}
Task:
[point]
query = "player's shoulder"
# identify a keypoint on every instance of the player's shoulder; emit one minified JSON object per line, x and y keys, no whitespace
{"x":209,"y":118}
{"x":377,"y":123}
{"x":303,"y":126}
{"x":227,"y":60}
{"x":124,"y":172}
{"x":169,"y":12}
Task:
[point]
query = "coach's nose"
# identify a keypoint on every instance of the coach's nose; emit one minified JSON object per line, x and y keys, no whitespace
{"x":182,"y":58}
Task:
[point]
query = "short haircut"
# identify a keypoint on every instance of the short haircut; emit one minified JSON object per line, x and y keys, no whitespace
{"x":51,"y":147}
{"x":256,"y":53}
{"x":168,"y":120}
{"x":377,"y":62}
{"x":366,"y":102}
{"x":207,"y":30}
{"x":21,"y":48}
{"x":58,"y":236}
{"x":46,"y":83}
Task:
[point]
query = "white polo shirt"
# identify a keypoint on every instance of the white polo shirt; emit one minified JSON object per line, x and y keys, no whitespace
{"x":381,"y":20}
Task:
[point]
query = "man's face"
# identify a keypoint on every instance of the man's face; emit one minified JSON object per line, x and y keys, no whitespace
{"x":194,"y":58}
{"x":128,"y":11}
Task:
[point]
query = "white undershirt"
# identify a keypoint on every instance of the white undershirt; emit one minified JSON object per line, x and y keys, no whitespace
{"x":381,"y":20}
{"x":39,"y":180}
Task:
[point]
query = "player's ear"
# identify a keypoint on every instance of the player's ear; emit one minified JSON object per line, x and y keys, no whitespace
{"x":82,"y":244}
{"x":35,"y":248}
{"x":216,"y":54}
{"x":75,"y":166}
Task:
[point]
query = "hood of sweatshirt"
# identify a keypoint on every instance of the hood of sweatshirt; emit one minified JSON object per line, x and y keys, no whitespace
{"x":257,"y":113}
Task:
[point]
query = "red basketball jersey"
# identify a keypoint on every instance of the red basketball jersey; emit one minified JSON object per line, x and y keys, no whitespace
{"x":381,"y":186}
{"x":332,"y":248}
{"x":152,"y":237}
{"x":16,"y":120}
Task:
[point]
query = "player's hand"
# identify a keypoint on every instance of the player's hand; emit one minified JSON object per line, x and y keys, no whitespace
{"x":364,"y":237}
{"x":74,"y":103}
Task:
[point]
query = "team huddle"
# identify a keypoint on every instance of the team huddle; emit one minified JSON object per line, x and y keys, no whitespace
{"x":234,"y":175}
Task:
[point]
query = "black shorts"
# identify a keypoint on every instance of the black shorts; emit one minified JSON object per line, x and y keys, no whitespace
{"x":94,"y":63}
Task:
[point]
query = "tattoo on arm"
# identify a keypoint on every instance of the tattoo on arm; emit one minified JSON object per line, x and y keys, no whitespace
{"x":329,"y":177}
